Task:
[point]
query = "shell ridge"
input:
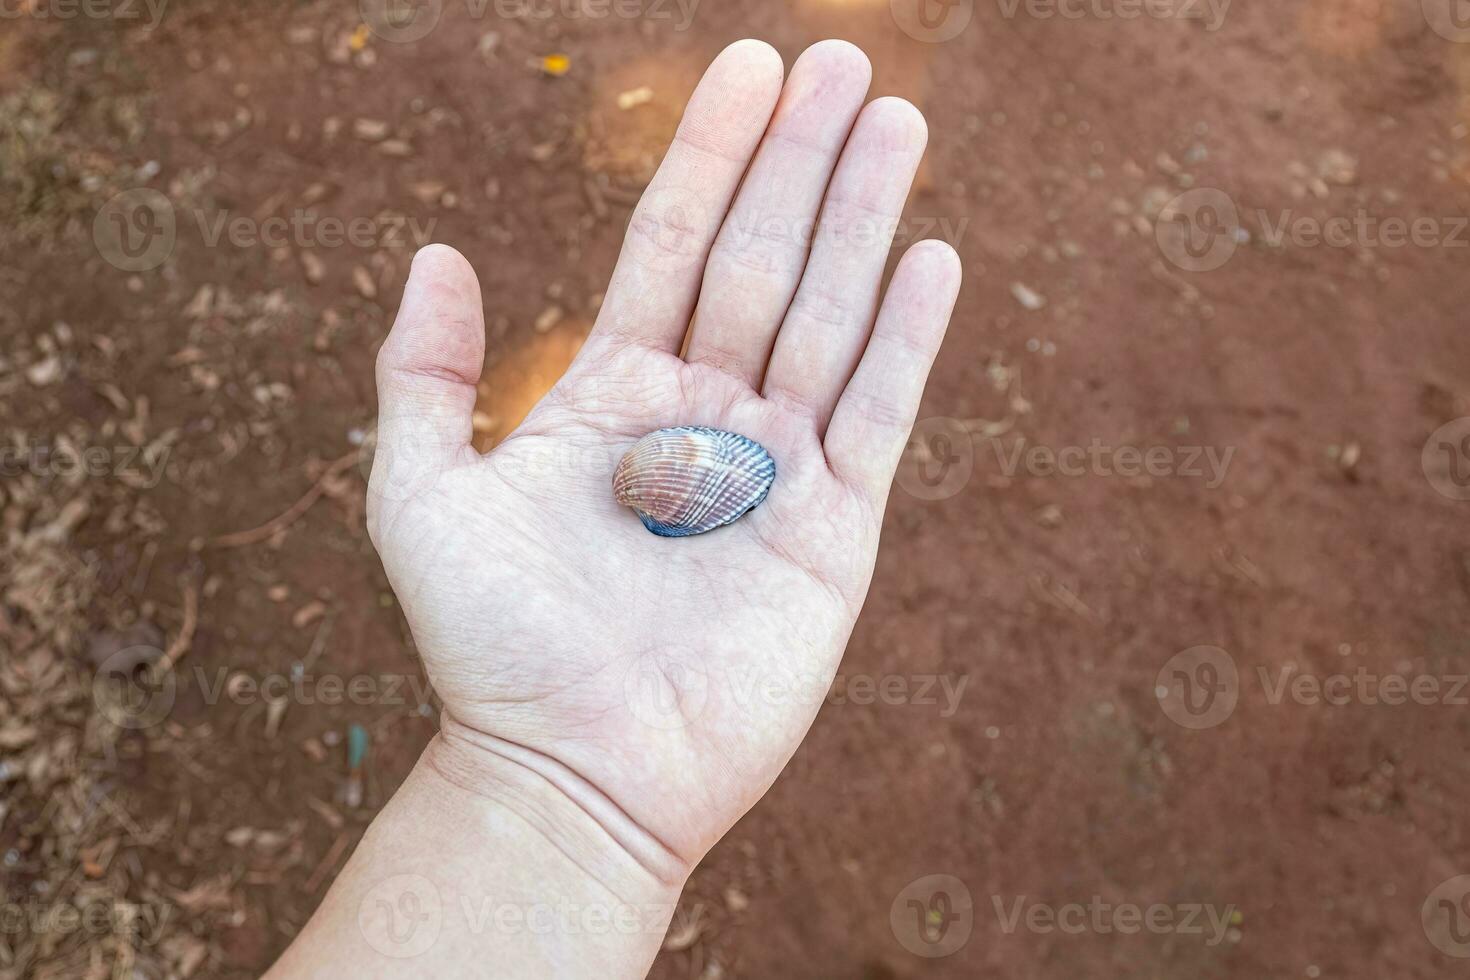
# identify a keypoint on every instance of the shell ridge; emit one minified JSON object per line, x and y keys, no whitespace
{"x":731,"y":483}
{"x":702,"y":491}
{"x":741,"y":483}
{"x":685,"y":480}
{"x":711,"y":488}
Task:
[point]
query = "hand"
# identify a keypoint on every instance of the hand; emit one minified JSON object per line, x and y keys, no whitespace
{"x":661,"y":684}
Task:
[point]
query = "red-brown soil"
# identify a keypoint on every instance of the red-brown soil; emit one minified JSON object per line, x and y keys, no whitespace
{"x":1056,"y":600}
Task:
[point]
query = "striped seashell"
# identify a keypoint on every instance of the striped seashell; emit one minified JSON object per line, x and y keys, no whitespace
{"x":692,"y":479}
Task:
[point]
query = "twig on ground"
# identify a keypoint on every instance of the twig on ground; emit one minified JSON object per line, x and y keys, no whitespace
{"x":185,"y":639}
{"x":292,"y":514}
{"x":334,"y":854}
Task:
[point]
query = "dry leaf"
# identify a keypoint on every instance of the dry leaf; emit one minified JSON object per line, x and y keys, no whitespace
{"x":556,"y":65}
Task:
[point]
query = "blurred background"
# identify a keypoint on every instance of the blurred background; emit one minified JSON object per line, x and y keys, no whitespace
{"x":1163,"y":669}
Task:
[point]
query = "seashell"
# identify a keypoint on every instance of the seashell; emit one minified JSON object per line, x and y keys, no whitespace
{"x":692,"y":479}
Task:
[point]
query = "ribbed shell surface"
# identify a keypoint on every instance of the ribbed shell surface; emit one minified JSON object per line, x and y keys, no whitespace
{"x":692,"y":479}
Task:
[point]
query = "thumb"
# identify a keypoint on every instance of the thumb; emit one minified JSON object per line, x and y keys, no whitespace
{"x":427,"y":371}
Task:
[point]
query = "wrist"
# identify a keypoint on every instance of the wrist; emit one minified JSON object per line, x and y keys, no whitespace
{"x":571,"y":814}
{"x":476,"y":860}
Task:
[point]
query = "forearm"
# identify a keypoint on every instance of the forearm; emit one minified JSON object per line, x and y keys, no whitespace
{"x":456,"y":879}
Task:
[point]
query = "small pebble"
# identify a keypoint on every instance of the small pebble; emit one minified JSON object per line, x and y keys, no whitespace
{"x":1027,"y":297}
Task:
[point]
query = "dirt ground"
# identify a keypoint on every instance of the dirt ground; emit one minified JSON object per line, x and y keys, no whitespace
{"x":1036,"y":740}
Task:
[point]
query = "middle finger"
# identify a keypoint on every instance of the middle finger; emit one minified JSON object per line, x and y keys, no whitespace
{"x":758,"y":257}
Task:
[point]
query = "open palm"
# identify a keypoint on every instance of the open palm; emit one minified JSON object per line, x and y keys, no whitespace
{"x":666,"y":681}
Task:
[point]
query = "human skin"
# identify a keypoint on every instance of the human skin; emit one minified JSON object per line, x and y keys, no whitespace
{"x":614,"y":701}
